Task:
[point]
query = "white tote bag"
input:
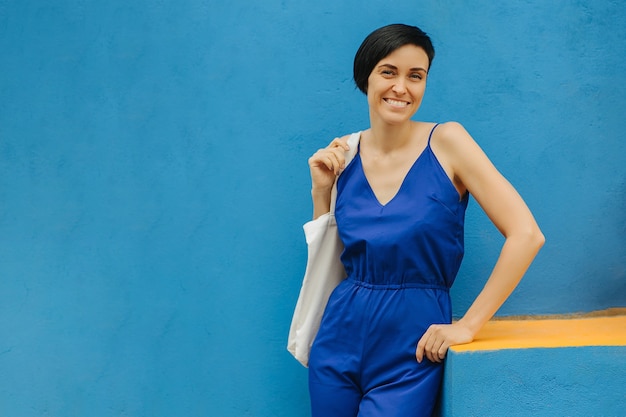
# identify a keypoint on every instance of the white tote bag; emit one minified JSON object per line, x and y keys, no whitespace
{"x":324,"y":271}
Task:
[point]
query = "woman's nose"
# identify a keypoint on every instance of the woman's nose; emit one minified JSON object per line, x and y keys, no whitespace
{"x":399,"y":87}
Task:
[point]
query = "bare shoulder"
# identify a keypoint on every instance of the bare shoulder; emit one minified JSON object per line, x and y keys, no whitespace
{"x":450,"y":141}
{"x":453,"y":142}
{"x":451,"y":134}
{"x":460,"y":156}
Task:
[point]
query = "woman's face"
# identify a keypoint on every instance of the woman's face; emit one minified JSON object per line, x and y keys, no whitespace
{"x":396,"y":86}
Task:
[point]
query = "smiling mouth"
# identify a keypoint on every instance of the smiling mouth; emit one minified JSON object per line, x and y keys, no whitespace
{"x":396,"y":103}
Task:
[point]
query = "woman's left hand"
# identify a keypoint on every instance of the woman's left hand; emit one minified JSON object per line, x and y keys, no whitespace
{"x":438,"y":338}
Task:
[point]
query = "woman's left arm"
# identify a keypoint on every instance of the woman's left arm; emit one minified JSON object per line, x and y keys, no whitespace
{"x":473,"y":171}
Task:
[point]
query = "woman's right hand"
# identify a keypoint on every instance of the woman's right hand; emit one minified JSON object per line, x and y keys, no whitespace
{"x":327,"y":163}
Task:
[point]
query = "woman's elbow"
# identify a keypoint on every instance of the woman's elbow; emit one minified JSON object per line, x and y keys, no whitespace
{"x":530,"y":236}
{"x":536,"y":238}
{"x":540,"y":239}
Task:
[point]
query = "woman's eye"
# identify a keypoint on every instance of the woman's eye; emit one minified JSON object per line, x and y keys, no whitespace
{"x":416,"y":76}
{"x":386,"y":72}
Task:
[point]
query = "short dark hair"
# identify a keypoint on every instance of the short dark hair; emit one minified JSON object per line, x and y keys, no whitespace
{"x":384,"y":41}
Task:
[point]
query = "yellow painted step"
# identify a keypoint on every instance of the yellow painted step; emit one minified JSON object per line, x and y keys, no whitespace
{"x":549,"y":333}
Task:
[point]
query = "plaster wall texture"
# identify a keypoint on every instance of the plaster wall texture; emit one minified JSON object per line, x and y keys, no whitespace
{"x":574,"y":381}
{"x":546,"y":367}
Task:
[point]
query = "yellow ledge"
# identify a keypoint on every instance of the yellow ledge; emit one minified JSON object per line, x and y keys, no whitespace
{"x":549,"y":333}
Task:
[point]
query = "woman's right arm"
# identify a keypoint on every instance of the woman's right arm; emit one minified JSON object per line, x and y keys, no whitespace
{"x":325,"y":165}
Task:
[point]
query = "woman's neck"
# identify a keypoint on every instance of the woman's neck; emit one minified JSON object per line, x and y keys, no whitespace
{"x":387,"y":138}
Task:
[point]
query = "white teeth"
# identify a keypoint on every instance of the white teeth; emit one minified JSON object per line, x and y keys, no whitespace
{"x":396,"y":103}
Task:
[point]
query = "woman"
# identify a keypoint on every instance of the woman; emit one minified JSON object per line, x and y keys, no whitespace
{"x":400,"y":213}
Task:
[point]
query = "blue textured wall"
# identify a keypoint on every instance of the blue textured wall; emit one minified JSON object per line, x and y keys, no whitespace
{"x":153,"y":181}
{"x":575,"y":381}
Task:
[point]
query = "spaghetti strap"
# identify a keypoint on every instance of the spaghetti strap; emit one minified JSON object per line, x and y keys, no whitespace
{"x":431,"y":133}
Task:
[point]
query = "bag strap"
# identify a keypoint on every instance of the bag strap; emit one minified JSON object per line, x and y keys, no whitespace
{"x":353,"y":143}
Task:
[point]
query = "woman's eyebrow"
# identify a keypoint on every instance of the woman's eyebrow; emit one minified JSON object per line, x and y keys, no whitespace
{"x":393,"y":67}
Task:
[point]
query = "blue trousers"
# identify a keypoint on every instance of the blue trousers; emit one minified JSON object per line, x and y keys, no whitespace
{"x":363,"y":364}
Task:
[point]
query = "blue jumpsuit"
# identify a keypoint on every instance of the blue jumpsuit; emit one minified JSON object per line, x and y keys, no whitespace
{"x":401,"y":258}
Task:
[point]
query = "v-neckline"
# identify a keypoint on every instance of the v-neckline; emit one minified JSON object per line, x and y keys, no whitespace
{"x":371,"y":189}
